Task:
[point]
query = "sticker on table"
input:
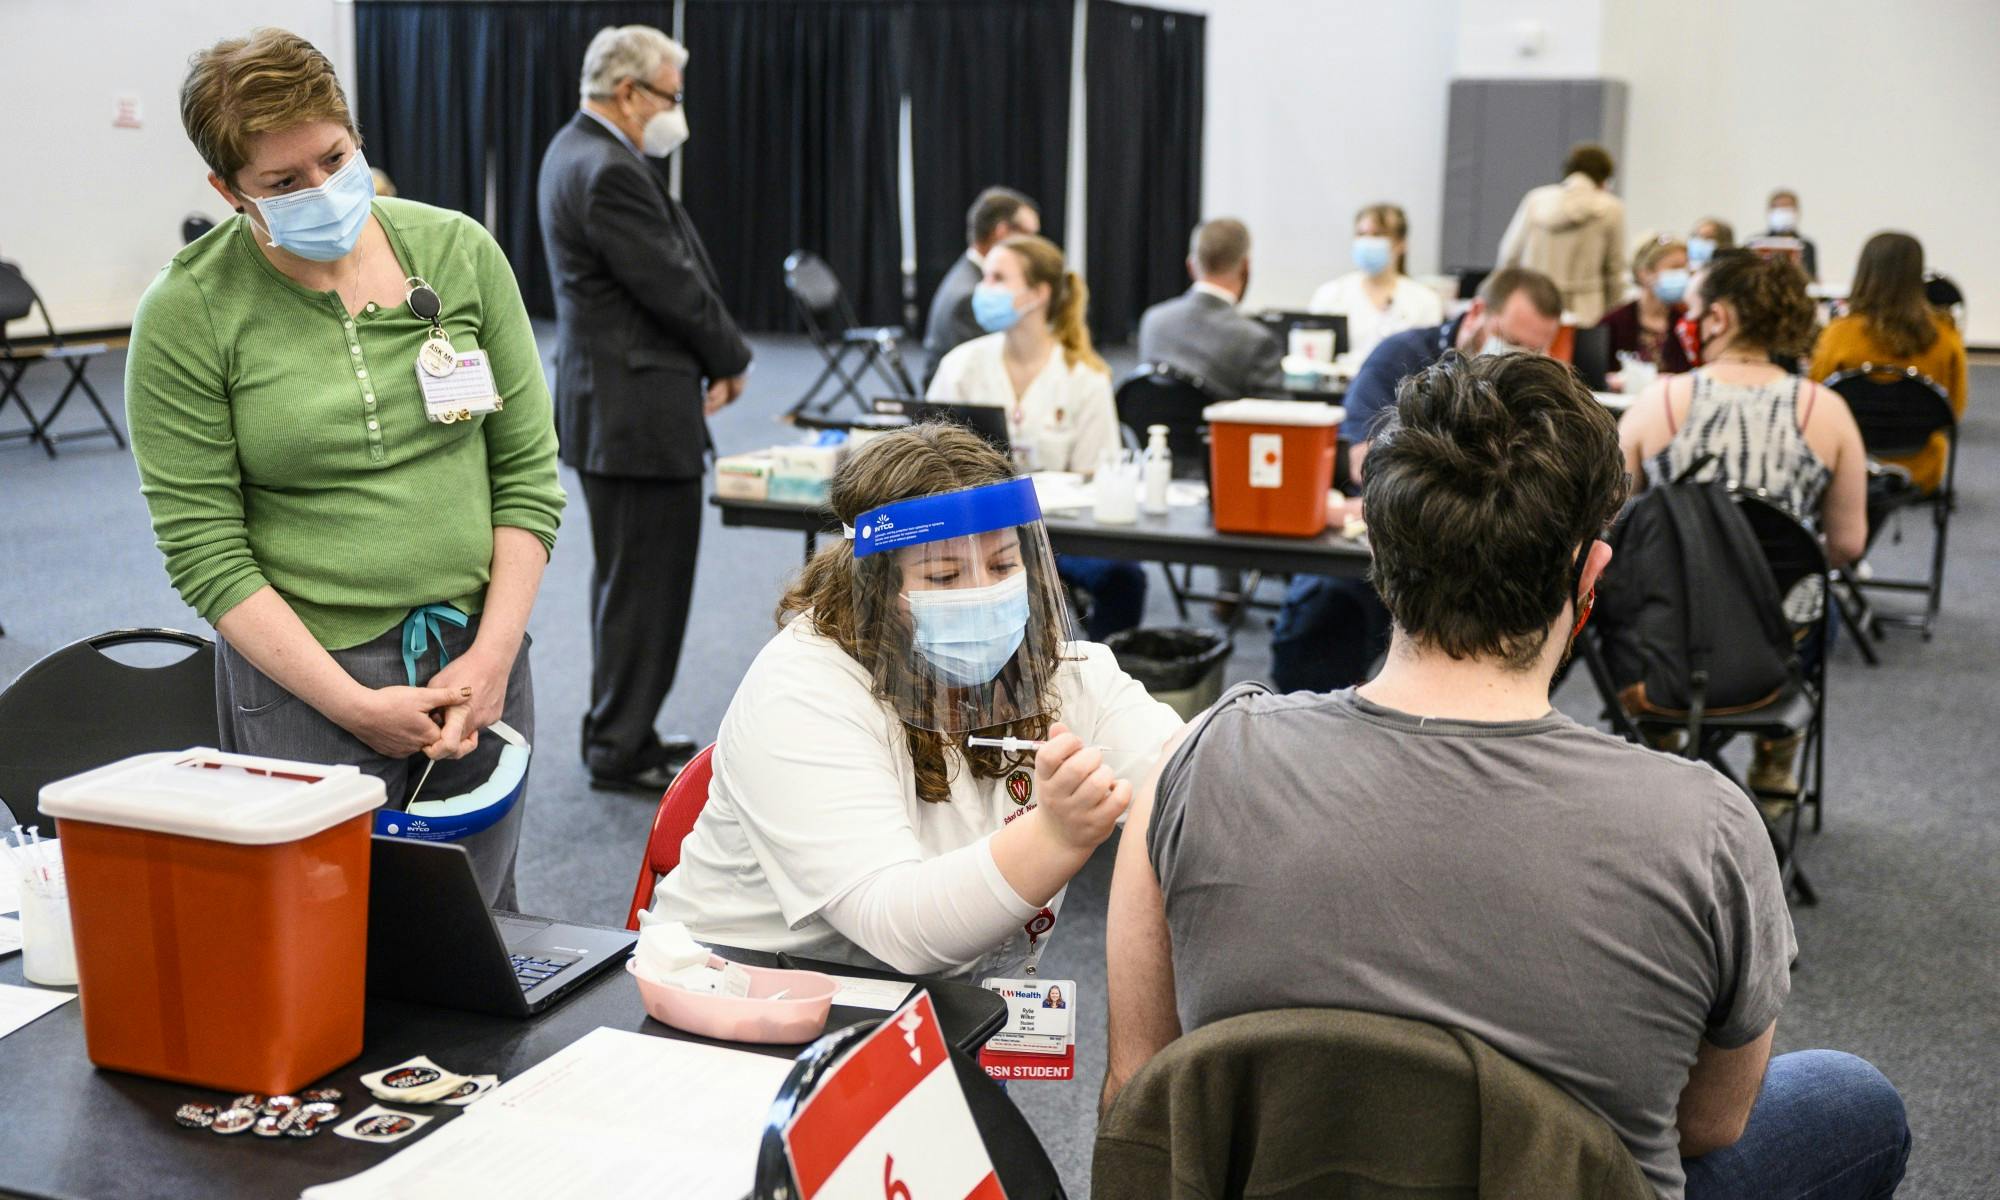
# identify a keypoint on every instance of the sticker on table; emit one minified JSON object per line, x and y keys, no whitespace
{"x":378,"y":1124}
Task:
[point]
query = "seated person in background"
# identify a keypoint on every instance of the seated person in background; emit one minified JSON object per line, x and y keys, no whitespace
{"x":1767,"y":429}
{"x":1643,"y":327}
{"x":998,"y":214}
{"x":1442,"y":845}
{"x":847,"y":819}
{"x":1376,"y":297}
{"x":1573,"y":232}
{"x":1782,"y":220}
{"x":1201,"y":331}
{"x":1036,"y":361}
{"x":1891,"y":323}
{"x":1710,"y":234}
{"x":1331,"y":630}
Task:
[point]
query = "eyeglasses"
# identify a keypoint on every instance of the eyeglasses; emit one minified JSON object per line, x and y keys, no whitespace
{"x":673,"y":99}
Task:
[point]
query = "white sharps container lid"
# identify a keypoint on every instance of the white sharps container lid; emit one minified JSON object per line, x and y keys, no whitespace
{"x":205,"y":793}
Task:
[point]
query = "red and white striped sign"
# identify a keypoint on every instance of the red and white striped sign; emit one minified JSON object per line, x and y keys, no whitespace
{"x":890,"y":1122}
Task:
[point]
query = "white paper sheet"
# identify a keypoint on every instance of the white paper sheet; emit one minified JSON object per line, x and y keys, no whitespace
{"x":10,"y":935}
{"x":884,"y":994}
{"x":10,"y":889}
{"x":20,"y":1005}
{"x":613,"y":1115}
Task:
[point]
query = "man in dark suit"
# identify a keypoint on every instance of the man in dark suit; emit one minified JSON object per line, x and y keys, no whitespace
{"x":645,"y":351}
{"x":1202,"y":332}
{"x":998,"y":214}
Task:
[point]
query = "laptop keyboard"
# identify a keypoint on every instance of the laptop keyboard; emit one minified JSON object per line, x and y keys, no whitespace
{"x":532,"y":971}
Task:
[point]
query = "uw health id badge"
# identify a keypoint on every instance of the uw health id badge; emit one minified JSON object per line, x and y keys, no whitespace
{"x":1039,"y":1040}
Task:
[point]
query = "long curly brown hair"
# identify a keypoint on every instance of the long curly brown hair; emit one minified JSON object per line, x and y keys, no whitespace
{"x":922,"y":460}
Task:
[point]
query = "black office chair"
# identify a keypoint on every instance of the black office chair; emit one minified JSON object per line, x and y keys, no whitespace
{"x":1899,"y":410}
{"x":194,"y":227}
{"x":1019,"y":1160}
{"x":79,"y":708}
{"x":1799,"y":567}
{"x":18,"y":299}
{"x":1946,"y":296}
{"x":1591,"y":356}
{"x":836,"y":333}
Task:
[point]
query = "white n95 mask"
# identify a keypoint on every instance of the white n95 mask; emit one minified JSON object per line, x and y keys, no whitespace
{"x":665,"y":132}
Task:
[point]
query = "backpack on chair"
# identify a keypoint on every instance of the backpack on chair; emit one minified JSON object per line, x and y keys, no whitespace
{"x":1689,"y":611}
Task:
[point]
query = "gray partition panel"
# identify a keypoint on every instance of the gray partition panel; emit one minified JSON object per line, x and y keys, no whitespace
{"x":1506,"y":136}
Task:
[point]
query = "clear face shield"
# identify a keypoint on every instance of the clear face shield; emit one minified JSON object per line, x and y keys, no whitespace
{"x":959,"y":595}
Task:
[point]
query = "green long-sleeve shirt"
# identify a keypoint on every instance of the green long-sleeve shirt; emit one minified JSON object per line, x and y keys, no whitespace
{"x":281,"y":441}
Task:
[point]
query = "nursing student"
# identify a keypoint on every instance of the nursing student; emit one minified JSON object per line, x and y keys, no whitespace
{"x":850,"y":818}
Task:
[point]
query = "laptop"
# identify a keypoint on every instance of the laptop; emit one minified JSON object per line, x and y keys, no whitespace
{"x":987,"y":420}
{"x":432,"y":940}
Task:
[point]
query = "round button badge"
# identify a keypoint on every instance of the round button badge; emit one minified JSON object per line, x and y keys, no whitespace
{"x":437,"y":358}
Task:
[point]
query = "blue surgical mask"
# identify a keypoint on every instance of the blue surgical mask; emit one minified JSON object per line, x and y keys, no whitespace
{"x":1671,"y":284}
{"x":993,"y":307}
{"x":968,"y":635}
{"x":1700,"y":250}
{"x":323,"y":223}
{"x":1371,"y":254}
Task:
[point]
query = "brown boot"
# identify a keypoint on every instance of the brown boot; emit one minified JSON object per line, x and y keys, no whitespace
{"x":1773,"y":774}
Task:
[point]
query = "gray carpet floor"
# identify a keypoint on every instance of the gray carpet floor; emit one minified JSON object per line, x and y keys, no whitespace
{"x":1900,"y":961}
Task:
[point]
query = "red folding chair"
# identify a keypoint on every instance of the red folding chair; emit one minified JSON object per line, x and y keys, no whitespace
{"x":679,"y":807}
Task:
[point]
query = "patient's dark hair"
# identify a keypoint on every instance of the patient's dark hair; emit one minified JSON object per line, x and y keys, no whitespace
{"x":1488,"y":477}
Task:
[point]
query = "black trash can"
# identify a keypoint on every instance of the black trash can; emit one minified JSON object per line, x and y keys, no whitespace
{"x":1181,"y":666}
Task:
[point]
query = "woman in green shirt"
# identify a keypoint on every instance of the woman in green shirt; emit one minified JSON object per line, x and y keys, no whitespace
{"x":370,"y":569}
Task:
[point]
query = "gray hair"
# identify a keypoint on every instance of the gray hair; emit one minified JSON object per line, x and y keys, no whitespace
{"x":621,"y":52}
{"x":1219,"y":245}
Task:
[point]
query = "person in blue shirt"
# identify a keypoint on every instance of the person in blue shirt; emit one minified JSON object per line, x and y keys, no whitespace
{"x":1330,"y":631}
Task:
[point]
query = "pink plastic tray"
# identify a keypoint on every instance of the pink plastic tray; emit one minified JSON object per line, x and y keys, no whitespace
{"x":799,"y":1017}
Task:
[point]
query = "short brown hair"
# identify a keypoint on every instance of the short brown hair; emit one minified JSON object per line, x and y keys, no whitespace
{"x":1773,"y":311}
{"x":994,"y":205}
{"x":1542,"y":291}
{"x":1591,"y":159}
{"x":241,"y":87}
{"x":1488,"y":476}
{"x":1219,"y":245}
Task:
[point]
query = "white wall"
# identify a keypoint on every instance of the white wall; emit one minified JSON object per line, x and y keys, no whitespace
{"x":92,"y":212}
{"x":1881,"y":117}
{"x":1530,"y":39}
{"x":1316,"y":108}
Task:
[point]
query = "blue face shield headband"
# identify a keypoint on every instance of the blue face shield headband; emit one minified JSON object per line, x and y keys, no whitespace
{"x":453,"y":818}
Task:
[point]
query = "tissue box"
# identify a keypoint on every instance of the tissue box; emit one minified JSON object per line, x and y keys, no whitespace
{"x":744,"y":476}
{"x":809,"y":462}
{"x":799,"y":489}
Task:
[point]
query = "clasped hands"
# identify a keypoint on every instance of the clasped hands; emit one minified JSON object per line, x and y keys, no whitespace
{"x":441,"y":719}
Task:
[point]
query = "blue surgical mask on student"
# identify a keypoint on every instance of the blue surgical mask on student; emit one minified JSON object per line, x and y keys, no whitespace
{"x":968,"y":635}
{"x":1700,"y":250}
{"x":1671,"y":284}
{"x":1371,"y":254}
{"x":993,"y":307}
{"x":322,"y":223}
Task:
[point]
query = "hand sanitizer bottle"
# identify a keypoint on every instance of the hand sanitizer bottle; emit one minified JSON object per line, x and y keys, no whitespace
{"x":1159,"y":469}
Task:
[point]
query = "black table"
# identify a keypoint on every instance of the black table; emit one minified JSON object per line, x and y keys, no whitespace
{"x":1183,"y":535}
{"x":68,"y":1129}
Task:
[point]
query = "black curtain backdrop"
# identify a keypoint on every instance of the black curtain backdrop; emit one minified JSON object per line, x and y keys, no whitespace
{"x":793,"y":108}
{"x":1142,"y":155}
{"x":989,"y":104}
{"x":425,"y":112}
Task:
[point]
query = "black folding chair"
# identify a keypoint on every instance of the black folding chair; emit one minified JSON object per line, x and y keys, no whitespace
{"x":193,"y":227}
{"x":1899,"y":410}
{"x":79,"y":708}
{"x":1946,"y":296}
{"x":1798,"y":564}
{"x":837,"y":333}
{"x":1019,"y":1160}
{"x":18,"y":299}
{"x":1591,"y":356}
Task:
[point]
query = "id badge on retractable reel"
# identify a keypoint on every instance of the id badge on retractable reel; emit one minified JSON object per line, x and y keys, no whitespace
{"x":457,"y":384}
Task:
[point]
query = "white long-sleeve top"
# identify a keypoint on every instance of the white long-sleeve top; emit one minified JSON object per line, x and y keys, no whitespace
{"x":1063,"y":421}
{"x":814,"y":842}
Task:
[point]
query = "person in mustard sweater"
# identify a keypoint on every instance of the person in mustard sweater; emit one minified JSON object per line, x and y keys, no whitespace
{"x":1889,"y":323}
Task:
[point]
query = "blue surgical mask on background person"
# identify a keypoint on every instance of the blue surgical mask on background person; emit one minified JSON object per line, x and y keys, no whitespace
{"x":1700,"y":250}
{"x":968,"y":634}
{"x":1371,"y":254}
{"x":993,"y":307}
{"x":1671,"y":284}
{"x":322,"y":223}
{"x":1784,"y":219}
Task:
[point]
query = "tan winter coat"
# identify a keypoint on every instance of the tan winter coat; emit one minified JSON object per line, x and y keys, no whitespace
{"x":1573,"y":232}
